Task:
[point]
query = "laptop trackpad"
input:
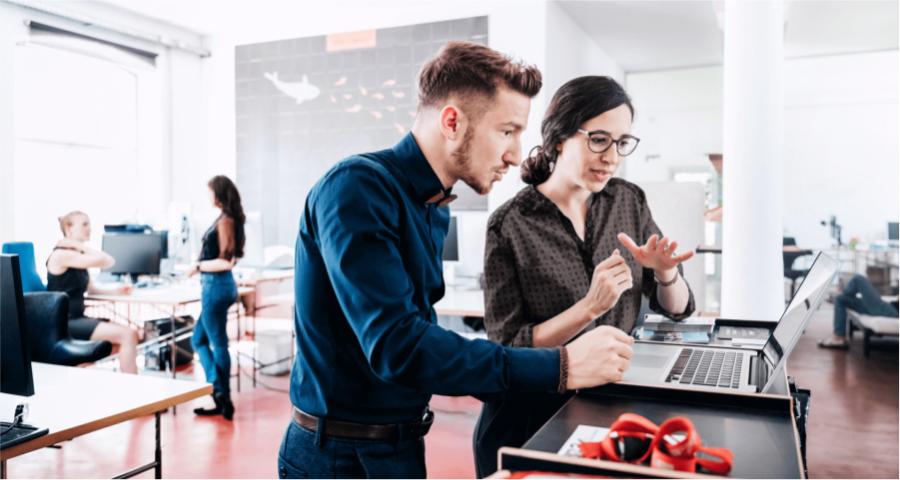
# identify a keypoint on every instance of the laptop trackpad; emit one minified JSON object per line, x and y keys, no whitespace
{"x":649,"y":361}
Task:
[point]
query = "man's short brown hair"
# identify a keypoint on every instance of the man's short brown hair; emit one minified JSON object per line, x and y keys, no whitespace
{"x":466,"y":70}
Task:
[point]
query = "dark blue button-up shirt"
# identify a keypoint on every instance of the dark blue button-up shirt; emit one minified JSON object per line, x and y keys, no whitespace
{"x":368,"y":273}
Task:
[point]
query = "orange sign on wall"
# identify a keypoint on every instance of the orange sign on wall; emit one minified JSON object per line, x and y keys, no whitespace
{"x":350,"y":40}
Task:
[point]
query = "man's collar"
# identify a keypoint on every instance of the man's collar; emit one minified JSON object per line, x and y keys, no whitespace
{"x":421,"y":179}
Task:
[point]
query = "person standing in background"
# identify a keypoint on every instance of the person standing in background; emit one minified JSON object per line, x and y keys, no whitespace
{"x":223,"y":245}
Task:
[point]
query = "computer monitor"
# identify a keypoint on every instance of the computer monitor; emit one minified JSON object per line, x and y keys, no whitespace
{"x":451,"y":243}
{"x":892,"y":231}
{"x":163,"y":242}
{"x":15,"y":356}
{"x":127,"y":228}
{"x":135,"y":254}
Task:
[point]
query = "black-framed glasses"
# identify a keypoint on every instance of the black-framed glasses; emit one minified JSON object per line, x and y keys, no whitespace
{"x":599,"y":141}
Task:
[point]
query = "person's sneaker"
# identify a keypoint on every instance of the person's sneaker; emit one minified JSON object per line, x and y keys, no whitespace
{"x":834,"y":344}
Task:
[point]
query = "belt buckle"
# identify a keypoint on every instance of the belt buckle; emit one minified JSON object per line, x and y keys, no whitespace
{"x":427,"y":421}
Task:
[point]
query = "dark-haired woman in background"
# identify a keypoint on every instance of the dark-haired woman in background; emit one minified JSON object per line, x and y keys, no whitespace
{"x":553,"y":265}
{"x":223,"y":245}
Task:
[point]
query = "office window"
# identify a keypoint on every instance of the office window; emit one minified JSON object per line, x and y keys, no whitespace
{"x":79,"y":122}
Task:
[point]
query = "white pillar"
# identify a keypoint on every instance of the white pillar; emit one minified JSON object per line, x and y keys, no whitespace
{"x":753,"y":106}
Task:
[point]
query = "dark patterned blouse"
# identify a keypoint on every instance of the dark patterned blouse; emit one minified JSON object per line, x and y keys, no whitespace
{"x":536,"y":266}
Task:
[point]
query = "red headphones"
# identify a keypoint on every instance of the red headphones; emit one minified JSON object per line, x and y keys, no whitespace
{"x":659,"y":444}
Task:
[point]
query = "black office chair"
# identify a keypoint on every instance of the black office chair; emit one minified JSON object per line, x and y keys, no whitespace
{"x":48,"y":332}
{"x":789,"y":258}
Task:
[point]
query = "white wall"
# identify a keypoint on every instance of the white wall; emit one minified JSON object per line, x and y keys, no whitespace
{"x":572,"y":53}
{"x":841,"y":150}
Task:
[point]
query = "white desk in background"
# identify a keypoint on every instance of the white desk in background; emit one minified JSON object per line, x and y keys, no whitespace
{"x":263,"y":281}
{"x":72,"y":401}
{"x":171,"y":299}
{"x":462,"y":303}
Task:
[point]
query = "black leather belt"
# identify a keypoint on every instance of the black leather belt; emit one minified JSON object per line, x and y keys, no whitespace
{"x":341,"y":429}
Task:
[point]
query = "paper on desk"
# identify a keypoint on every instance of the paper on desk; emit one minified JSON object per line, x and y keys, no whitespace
{"x":656,"y":318}
{"x":749,"y":342}
{"x":583,"y":433}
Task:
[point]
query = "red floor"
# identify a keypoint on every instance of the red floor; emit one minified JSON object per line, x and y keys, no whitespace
{"x":853,"y":428}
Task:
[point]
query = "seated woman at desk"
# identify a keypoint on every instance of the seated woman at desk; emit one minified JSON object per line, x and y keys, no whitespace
{"x":67,"y":272}
{"x":564,"y":254}
{"x":223,"y":244}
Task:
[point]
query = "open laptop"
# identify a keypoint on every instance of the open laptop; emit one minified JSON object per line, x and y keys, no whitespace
{"x":727,"y":369}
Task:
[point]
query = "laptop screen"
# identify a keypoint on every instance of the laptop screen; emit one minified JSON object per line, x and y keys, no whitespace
{"x":798,"y":312}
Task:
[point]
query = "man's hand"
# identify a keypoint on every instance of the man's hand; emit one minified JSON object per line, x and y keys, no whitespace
{"x":598,"y":357}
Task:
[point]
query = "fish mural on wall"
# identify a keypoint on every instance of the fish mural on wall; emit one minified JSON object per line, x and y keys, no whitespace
{"x":301,"y":91}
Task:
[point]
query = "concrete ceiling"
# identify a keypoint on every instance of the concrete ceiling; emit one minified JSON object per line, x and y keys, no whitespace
{"x":639,"y":35}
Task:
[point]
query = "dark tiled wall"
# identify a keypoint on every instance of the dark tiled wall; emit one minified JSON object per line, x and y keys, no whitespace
{"x":366,"y":101}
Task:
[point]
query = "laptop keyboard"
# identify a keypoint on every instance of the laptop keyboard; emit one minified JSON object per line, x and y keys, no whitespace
{"x":17,"y":434}
{"x":709,"y":368}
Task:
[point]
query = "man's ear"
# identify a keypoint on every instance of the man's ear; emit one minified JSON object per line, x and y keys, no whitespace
{"x":452,"y":119}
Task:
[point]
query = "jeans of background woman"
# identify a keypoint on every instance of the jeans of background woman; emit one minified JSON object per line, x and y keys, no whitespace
{"x":868,"y":302}
{"x":210,"y":340}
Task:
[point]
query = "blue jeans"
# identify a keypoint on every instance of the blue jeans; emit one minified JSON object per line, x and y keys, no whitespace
{"x":306,"y":454}
{"x":868,"y":302}
{"x":210,"y":339}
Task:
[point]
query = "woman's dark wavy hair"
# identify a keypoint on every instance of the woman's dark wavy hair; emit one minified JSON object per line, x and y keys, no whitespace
{"x":576,"y":102}
{"x":230,"y":199}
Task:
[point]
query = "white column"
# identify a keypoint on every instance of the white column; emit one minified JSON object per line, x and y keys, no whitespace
{"x":753,"y":106}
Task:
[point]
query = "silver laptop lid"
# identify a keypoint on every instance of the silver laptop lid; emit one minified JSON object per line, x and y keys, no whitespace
{"x":797,"y":314}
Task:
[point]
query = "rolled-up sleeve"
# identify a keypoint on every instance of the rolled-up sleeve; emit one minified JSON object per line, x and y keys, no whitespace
{"x":357,"y":219}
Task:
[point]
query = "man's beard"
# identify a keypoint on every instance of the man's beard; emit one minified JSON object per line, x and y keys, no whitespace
{"x":462,"y":161}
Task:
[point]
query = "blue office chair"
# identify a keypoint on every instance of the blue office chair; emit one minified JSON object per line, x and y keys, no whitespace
{"x":31,"y":281}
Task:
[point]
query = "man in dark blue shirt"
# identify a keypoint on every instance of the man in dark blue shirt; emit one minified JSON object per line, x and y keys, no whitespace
{"x":368,"y":272}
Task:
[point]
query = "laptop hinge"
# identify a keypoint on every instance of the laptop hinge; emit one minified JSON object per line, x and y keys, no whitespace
{"x":754,"y":371}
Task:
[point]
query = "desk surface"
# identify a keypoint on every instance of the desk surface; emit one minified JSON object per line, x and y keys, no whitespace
{"x":761,"y":434}
{"x":463,"y":303}
{"x":72,"y":401}
{"x":177,"y":294}
{"x":263,"y":276}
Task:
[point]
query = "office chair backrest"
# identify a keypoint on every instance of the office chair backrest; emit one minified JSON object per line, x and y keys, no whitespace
{"x":31,"y":281}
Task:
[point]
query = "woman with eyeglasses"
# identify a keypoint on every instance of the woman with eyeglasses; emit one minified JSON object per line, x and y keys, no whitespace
{"x":575,"y":250}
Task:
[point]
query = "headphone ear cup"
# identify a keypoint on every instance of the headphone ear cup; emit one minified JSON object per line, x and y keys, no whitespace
{"x":720,"y":467}
{"x":608,"y":449}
